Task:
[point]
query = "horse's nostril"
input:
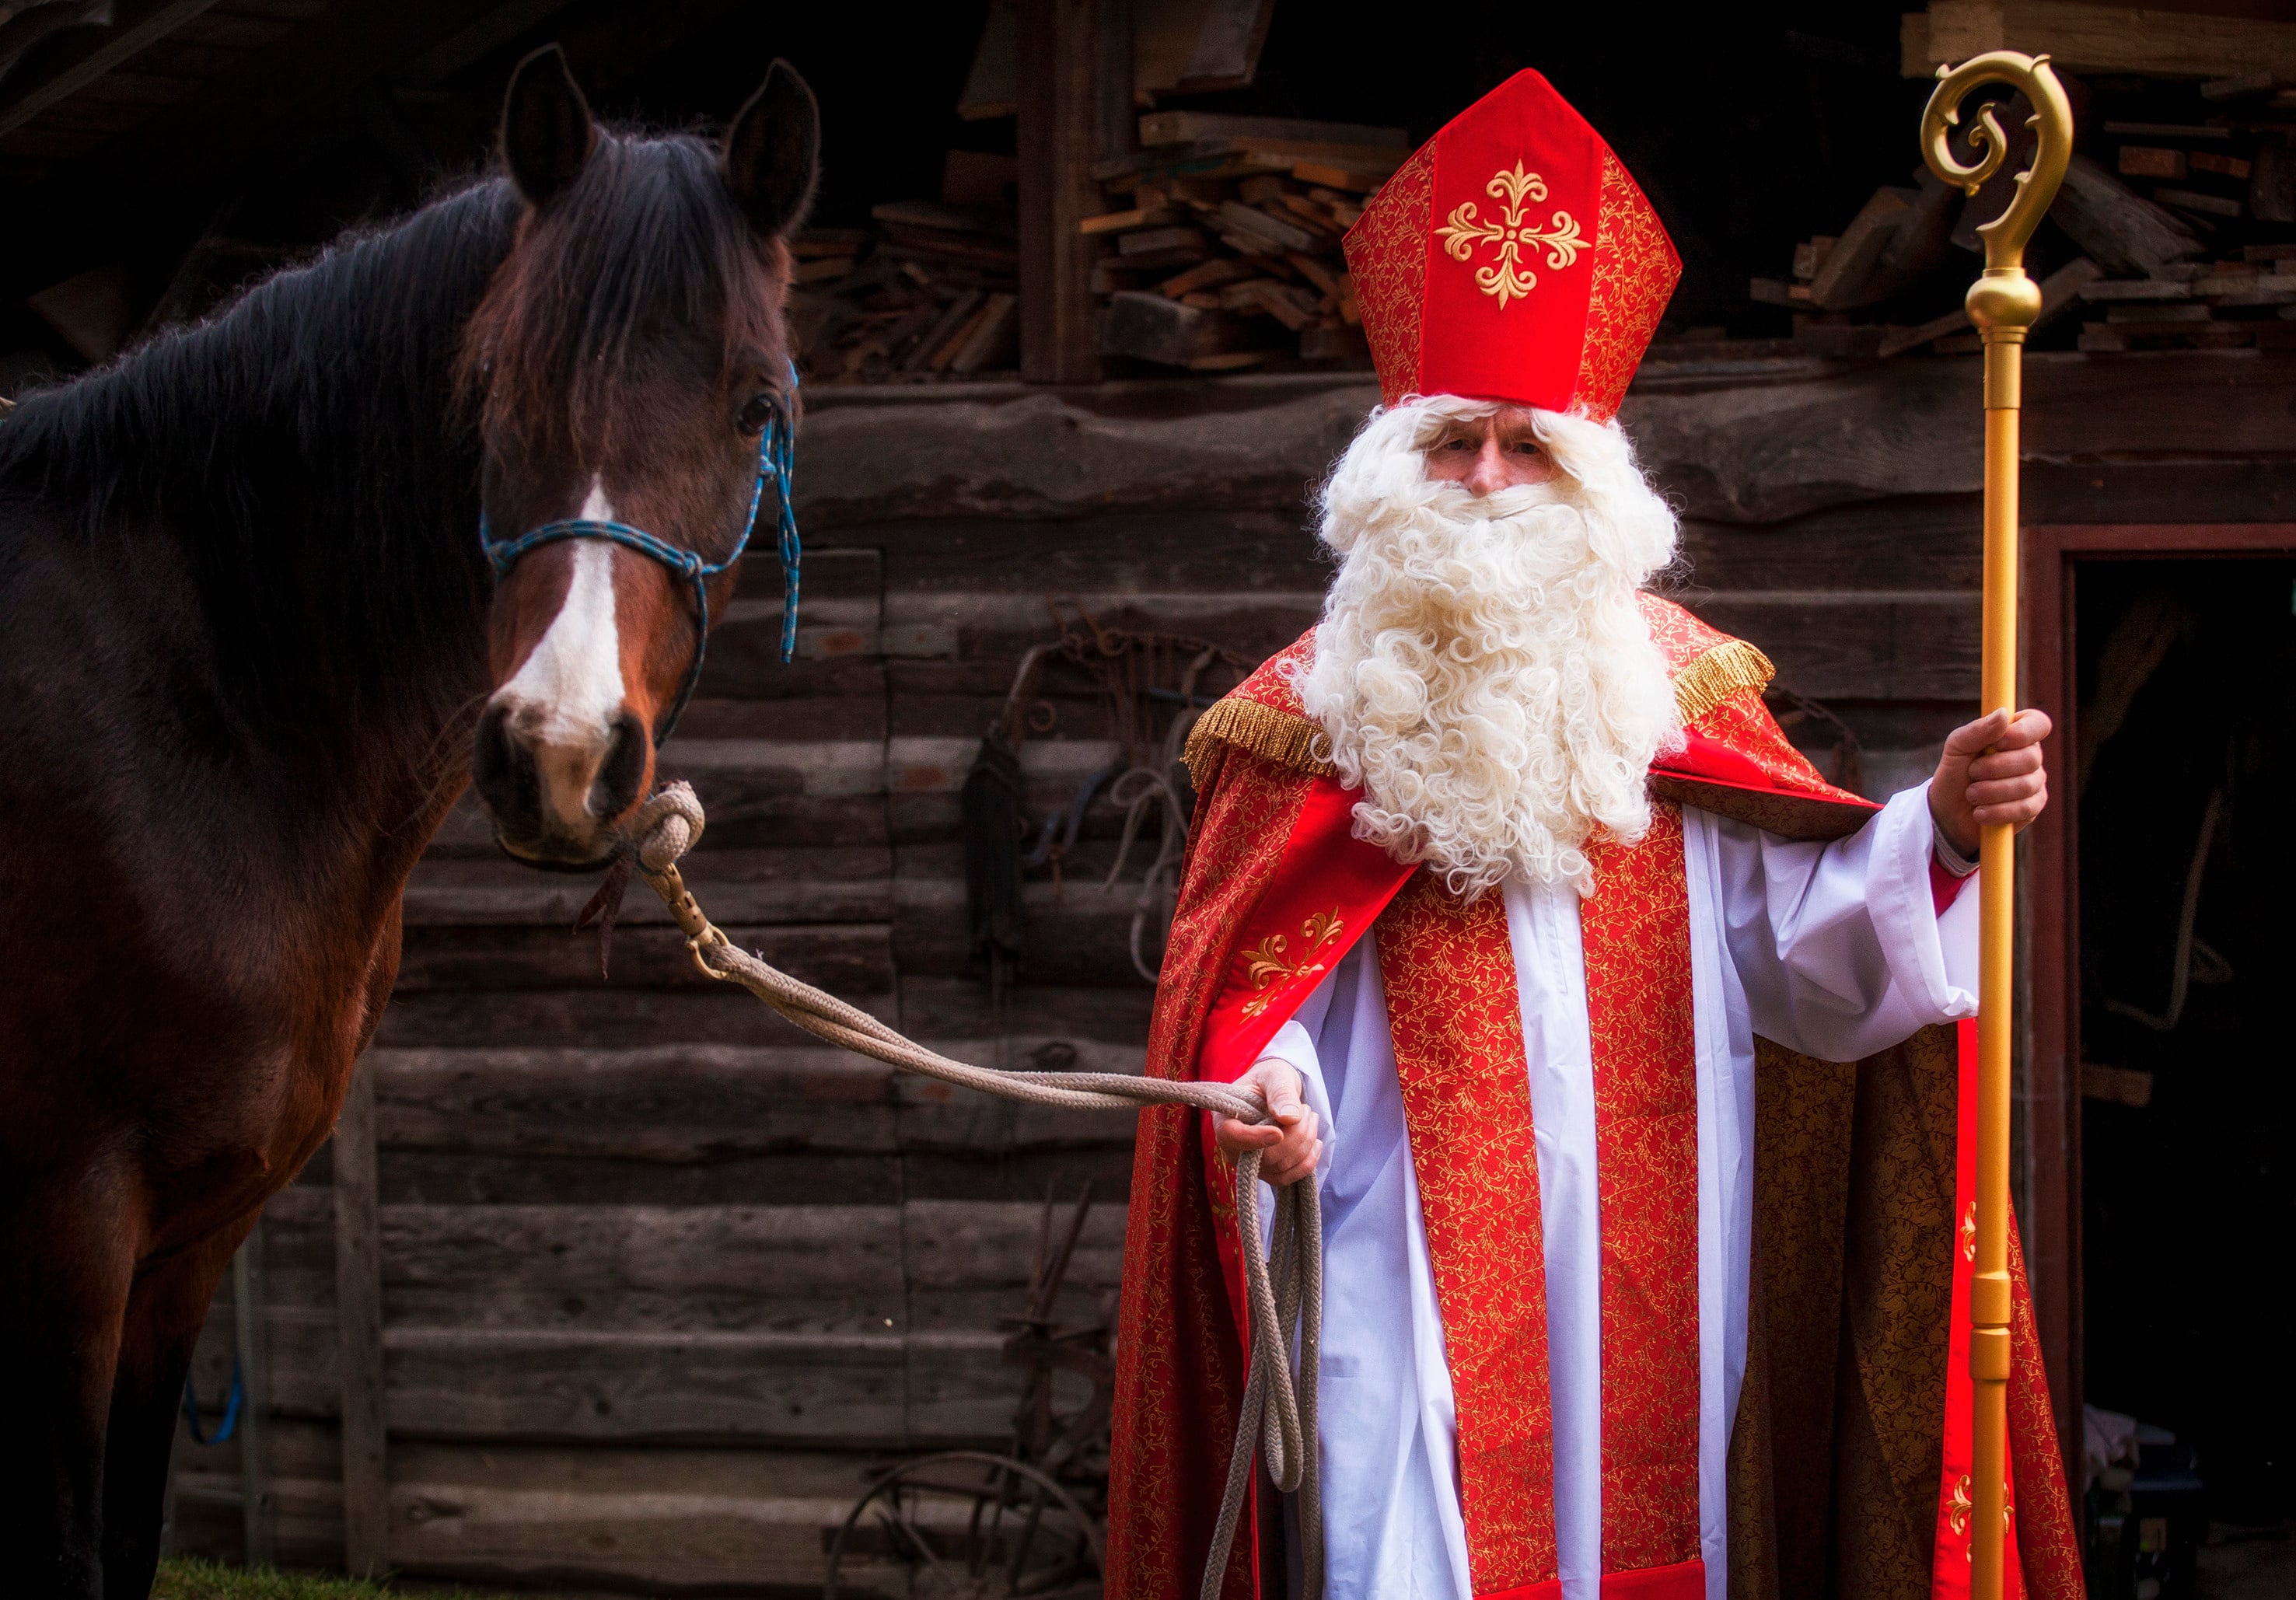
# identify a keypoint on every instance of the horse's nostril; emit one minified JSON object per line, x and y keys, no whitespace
{"x":622,"y":773}
{"x":504,"y":770}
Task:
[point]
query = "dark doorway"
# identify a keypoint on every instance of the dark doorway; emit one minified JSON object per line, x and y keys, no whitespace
{"x":2184,"y":759}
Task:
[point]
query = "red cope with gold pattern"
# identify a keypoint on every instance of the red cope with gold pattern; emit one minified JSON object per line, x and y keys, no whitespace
{"x":1275,"y":892}
{"x":1512,"y":257}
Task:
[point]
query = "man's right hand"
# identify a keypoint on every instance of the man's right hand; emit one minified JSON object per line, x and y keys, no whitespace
{"x":1291,"y":1145}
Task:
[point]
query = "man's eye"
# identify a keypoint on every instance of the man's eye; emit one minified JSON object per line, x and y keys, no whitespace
{"x":1526,"y":449}
{"x":1457,"y":444}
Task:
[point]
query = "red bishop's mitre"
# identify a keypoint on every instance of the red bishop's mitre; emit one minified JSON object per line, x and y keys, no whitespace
{"x":1512,"y":259}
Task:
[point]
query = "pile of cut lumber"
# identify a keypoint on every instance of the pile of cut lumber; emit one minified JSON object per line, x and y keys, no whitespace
{"x":928,"y":291}
{"x":1221,"y":248}
{"x":2174,"y":228}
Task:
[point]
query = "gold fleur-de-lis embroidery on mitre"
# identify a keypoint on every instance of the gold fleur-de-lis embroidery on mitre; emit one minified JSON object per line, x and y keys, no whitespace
{"x":1266,"y":966}
{"x":1510,"y":277}
{"x":1968,"y":1233}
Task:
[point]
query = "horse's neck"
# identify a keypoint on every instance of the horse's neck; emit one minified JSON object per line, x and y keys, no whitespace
{"x":299,"y":463}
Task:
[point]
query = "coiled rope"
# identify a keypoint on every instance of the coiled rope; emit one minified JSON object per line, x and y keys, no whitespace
{"x":1283,"y":1282}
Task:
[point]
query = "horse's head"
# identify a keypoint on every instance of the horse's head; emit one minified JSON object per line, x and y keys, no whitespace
{"x":629,"y":361}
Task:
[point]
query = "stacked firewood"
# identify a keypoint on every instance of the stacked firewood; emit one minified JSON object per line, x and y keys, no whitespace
{"x":2174,"y":228}
{"x":1222,"y":250}
{"x":929,"y":292}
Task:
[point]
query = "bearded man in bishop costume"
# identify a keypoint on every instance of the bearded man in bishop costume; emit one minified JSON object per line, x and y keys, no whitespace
{"x":1627,"y":1053}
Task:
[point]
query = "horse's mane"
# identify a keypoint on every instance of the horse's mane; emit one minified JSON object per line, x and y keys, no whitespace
{"x":299,"y":449}
{"x":351,"y":351}
{"x":313,"y":447}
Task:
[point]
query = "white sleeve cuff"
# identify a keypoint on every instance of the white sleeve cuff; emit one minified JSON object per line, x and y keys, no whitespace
{"x":1932,"y":958}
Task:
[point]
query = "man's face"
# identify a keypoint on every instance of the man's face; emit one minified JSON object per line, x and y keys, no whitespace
{"x":1488,"y":454}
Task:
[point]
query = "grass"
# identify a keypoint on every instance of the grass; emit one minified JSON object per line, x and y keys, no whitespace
{"x":187,"y":1577}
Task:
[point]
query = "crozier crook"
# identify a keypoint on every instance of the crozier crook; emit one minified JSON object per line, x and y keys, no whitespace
{"x":2003,"y":304}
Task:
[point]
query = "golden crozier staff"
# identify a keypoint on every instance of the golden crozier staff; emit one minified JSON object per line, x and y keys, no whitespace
{"x":2002,"y":303}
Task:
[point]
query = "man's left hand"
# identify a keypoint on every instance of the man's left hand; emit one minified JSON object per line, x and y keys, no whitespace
{"x":1992,"y":774}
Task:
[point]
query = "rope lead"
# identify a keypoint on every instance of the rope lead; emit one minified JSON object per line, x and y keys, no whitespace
{"x":1283,"y":1274}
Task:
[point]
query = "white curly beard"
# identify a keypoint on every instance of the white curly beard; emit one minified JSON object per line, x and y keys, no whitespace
{"x":1482,"y":669}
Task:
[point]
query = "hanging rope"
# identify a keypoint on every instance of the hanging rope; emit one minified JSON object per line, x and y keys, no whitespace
{"x":1285,"y":1300}
{"x":225,"y":1428}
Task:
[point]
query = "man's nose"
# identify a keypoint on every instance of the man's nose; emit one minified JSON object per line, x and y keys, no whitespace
{"x":1488,"y":475}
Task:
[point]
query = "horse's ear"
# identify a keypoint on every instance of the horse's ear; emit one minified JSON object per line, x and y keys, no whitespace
{"x":546,"y":132}
{"x":773,"y":153}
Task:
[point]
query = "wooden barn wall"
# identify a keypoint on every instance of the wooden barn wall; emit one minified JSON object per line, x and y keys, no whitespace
{"x":661,"y":1278}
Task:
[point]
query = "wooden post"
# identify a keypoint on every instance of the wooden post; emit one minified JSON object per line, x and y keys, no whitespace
{"x":1058,"y":133}
{"x":358,"y":1308}
{"x":1117,"y":115}
{"x":248,"y":1305}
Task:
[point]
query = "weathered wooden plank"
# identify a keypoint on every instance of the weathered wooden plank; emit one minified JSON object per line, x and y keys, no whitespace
{"x":842,"y":582}
{"x":1202,"y":549}
{"x":2161,"y":491}
{"x":641,"y":1538}
{"x":1038,"y":455}
{"x":358,"y":1320}
{"x":703,"y":1104}
{"x":747,"y":665}
{"x":594,"y":1515}
{"x":1930,"y":543}
{"x":857,"y":716}
{"x":1051,"y":767}
{"x":789,"y":1177}
{"x":495,"y":1386}
{"x":825,"y":769}
{"x":1853,"y":645}
{"x":1731,"y":451}
{"x":658,"y":1103}
{"x":811,"y":1268}
{"x":843,"y":958}
{"x":846,"y":883}
{"x":307,"y":1516}
{"x":959,"y":1009}
{"x":819,"y":1269}
{"x":574,"y":1017}
{"x":969,"y":1263}
{"x":1077,"y":931}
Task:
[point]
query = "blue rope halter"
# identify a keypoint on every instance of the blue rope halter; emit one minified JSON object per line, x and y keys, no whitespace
{"x":775,"y":447}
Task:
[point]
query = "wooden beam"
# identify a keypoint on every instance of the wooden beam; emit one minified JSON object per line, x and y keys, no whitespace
{"x":252,"y":1335}
{"x":2099,"y":38}
{"x":1058,"y":132}
{"x":358,"y":1309}
{"x":90,"y":59}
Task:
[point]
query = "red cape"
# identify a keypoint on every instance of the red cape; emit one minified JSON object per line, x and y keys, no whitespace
{"x":1868,"y":1260}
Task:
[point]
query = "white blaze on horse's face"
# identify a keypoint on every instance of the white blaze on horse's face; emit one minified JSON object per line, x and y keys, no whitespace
{"x":566,"y":698}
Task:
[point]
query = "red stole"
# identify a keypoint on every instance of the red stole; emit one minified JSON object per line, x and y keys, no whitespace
{"x":1456,"y":1017}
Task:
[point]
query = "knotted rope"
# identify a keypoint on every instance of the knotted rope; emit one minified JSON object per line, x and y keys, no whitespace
{"x":1286,"y":1300}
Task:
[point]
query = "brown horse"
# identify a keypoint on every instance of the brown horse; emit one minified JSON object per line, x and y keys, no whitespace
{"x":245,"y":625}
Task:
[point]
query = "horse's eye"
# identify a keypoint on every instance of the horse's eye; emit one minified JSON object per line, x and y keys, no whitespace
{"x":757,"y":411}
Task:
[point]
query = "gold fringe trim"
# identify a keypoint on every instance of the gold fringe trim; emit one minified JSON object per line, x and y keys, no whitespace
{"x":1287,"y":740}
{"x":1726,"y":669}
{"x":1291,"y":741}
